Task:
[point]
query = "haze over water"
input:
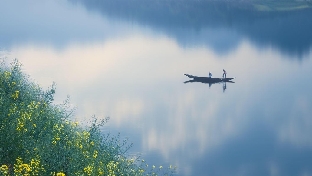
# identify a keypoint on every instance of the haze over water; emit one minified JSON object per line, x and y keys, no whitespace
{"x":130,"y":65}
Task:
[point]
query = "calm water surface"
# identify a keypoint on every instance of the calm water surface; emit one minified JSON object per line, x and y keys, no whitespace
{"x":130,"y":66}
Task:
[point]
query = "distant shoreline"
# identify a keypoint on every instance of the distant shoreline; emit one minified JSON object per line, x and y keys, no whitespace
{"x":281,"y":5}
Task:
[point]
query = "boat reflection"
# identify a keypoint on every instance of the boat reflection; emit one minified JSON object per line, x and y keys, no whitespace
{"x":209,"y":80}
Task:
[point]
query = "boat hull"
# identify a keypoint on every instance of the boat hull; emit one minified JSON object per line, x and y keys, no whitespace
{"x":208,"y":79}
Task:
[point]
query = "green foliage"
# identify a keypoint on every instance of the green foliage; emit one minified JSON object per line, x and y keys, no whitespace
{"x":38,"y":138}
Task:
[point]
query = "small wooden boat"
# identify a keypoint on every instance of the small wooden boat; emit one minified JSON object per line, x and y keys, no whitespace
{"x":207,"y":79}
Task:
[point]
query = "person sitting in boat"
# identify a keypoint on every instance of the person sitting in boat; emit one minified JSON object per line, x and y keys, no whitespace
{"x":210,"y":75}
{"x":224,"y":74}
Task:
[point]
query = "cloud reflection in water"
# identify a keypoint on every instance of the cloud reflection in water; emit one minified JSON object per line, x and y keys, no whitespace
{"x":138,"y":82}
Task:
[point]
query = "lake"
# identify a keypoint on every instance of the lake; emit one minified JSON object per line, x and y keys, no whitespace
{"x":128,"y":61}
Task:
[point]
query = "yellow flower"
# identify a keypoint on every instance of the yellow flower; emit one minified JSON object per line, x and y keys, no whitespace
{"x":4,"y":169}
{"x":26,"y":167}
{"x":7,"y":74}
{"x":15,"y":95}
{"x":20,"y":168}
{"x":60,"y":174}
{"x":88,"y":170}
{"x":86,"y":134}
{"x":95,"y":154}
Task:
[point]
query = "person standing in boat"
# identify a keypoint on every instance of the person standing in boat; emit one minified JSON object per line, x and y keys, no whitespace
{"x":210,"y":75}
{"x":224,"y":74}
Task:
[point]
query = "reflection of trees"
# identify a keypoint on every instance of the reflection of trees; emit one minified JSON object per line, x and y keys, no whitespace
{"x":286,"y":31}
{"x":194,"y":14}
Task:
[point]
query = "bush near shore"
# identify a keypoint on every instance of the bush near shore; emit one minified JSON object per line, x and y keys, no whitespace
{"x":38,"y":137}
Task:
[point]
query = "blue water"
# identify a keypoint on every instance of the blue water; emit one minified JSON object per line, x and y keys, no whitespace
{"x":128,"y":62}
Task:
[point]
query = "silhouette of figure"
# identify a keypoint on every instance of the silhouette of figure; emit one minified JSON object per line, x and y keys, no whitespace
{"x":210,"y":75}
{"x":224,"y":74}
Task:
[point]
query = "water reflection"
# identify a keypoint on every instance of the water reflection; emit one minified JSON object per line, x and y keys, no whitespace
{"x":134,"y":73}
{"x":199,"y":130}
{"x":55,"y":24}
{"x":219,"y":25}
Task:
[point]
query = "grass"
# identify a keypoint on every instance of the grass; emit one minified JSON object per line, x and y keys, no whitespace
{"x":38,"y":137}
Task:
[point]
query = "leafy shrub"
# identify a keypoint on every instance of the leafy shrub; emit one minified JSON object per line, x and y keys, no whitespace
{"x":38,"y":137}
